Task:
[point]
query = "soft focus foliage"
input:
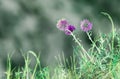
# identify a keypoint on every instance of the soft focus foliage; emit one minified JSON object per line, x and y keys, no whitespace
{"x":30,"y":25}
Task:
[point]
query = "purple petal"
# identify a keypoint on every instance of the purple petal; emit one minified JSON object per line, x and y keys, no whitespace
{"x":86,"y":25}
{"x":69,"y":29}
{"x":62,"y":24}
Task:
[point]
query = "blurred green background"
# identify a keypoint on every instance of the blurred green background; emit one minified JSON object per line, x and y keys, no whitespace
{"x":31,"y":25}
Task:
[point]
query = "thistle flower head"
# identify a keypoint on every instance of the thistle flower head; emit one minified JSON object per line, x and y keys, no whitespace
{"x":86,"y":25}
{"x":69,"y":29}
{"x":62,"y":23}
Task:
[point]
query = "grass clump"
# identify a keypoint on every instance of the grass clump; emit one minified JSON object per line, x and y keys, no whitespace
{"x":101,"y":61}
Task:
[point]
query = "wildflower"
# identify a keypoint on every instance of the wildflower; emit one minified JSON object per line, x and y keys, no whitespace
{"x":62,"y":24}
{"x":69,"y":29}
{"x":86,"y":25}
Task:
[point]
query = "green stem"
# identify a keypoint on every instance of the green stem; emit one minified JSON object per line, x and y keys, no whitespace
{"x":76,"y":40}
{"x":37,"y":63}
{"x":84,"y":51}
{"x":113,"y":28}
{"x":8,"y":68}
{"x":93,"y":42}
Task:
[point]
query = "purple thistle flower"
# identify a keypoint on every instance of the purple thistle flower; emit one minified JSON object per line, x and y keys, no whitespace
{"x":69,"y":29}
{"x":86,"y":25}
{"x":62,"y":23}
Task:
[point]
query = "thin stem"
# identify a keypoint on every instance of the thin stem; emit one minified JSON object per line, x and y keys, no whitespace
{"x":84,"y":51}
{"x":76,"y":40}
{"x":37,"y":63}
{"x":8,"y":68}
{"x":113,"y":28}
{"x":93,"y":42}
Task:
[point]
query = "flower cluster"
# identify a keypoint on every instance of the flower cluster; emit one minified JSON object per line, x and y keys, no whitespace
{"x":64,"y":25}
